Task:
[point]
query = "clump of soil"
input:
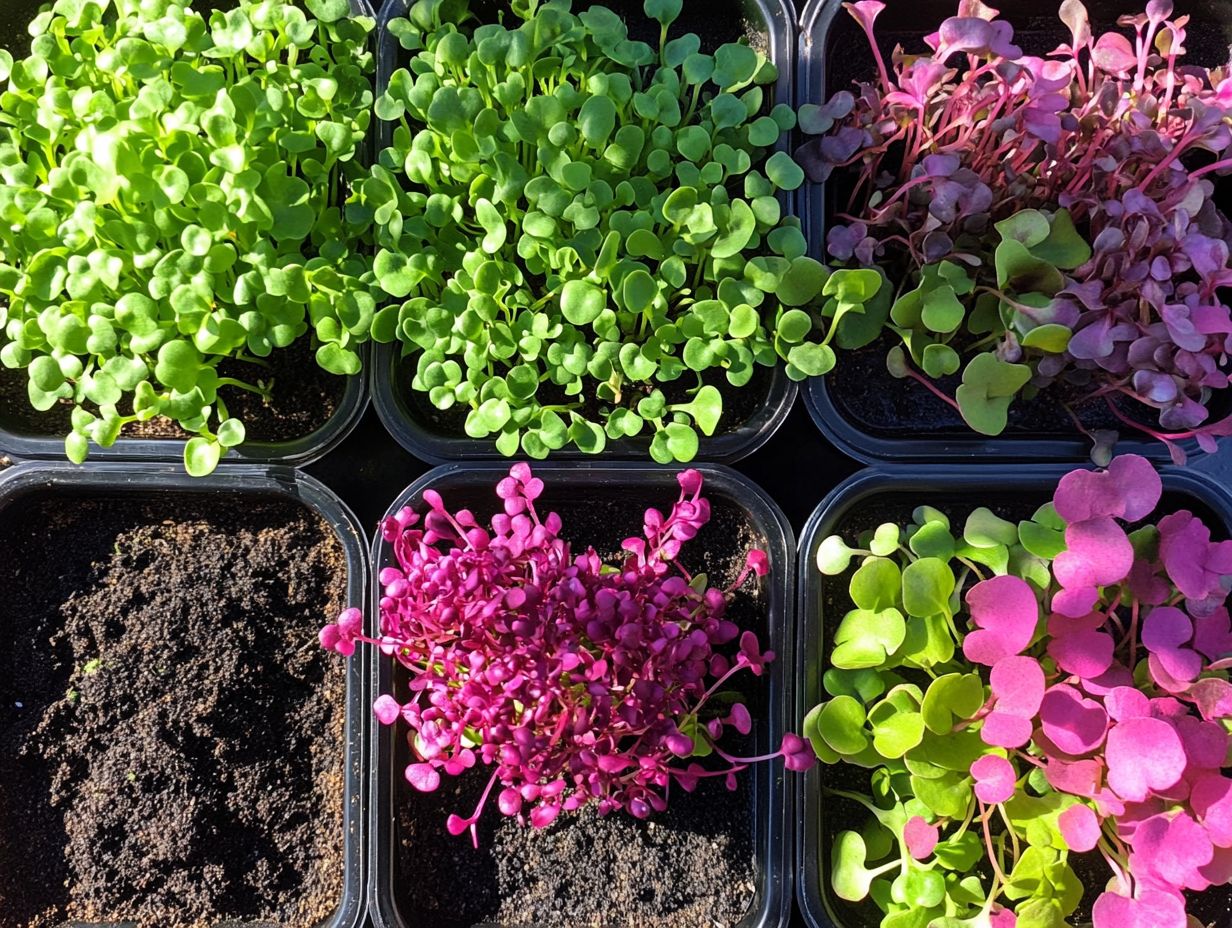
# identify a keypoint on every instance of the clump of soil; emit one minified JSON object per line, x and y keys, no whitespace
{"x":305,"y":397}
{"x":690,"y":866}
{"x":171,"y":734}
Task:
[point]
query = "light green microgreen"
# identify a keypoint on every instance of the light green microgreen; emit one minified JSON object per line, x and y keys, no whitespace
{"x":174,"y":191}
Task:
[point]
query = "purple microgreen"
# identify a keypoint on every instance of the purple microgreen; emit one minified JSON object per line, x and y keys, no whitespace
{"x":994,"y":779}
{"x":572,"y":681}
{"x":1076,"y":190}
{"x":1005,"y":611}
{"x":1079,"y":827}
{"x":1106,"y":732}
{"x":920,"y":837}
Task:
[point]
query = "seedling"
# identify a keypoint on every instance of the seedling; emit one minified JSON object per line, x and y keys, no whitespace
{"x":1044,"y":220}
{"x":1029,"y":692}
{"x":575,"y":681}
{"x":583,"y":235}
{"x":174,"y":190}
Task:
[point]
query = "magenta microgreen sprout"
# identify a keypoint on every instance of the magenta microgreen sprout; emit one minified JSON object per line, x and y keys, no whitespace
{"x":1045,"y":220}
{"x":1052,"y":688}
{"x":573,"y":680}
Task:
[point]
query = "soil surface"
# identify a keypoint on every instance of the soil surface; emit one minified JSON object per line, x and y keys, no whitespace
{"x":690,"y":867}
{"x":171,"y":734}
{"x":1213,"y":907}
{"x":902,"y":407}
{"x":304,"y":398}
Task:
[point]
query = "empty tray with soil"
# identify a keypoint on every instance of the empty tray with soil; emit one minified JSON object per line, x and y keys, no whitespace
{"x":175,"y":748}
{"x":876,"y":498}
{"x":713,"y":857}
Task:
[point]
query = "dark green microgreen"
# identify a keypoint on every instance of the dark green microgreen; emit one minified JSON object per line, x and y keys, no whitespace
{"x":603,"y":214}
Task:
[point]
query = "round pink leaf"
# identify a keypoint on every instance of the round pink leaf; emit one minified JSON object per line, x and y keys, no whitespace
{"x":920,"y":837}
{"x":1143,"y":755}
{"x":1098,"y":553}
{"x":1211,"y":800}
{"x":1165,"y":631}
{"x":1079,"y":778}
{"x":423,"y":777}
{"x":1073,"y":723}
{"x":1006,"y":612}
{"x":1152,"y":909}
{"x":1129,"y":489}
{"x":386,"y":709}
{"x":1084,"y":653}
{"x":1079,"y":827}
{"x":1018,"y":684}
{"x":1002,"y":730}
{"x":1173,"y":850}
{"x":994,"y":779}
{"x":1127,"y":702}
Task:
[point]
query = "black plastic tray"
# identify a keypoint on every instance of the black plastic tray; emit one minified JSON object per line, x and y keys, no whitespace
{"x":297,"y":451}
{"x":574,"y":485}
{"x":961,"y":486}
{"x":775,"y":20}
{"x":832,"y":51}
{"x":160,"y":479}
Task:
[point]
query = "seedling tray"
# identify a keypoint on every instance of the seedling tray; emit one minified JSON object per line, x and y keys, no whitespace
{"x":859,"y":412}
{"x":408,"y":417}
{"x":20,"y":441}
{"x":874,"y":495}
{"x":134,"y":481}
{"x":569,"y":491}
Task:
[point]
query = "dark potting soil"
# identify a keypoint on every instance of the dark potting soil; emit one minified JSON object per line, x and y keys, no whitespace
{"x":1212,"y":908}
{"x":902,"y":404}
{"x":304,"y":398}
{"x":688,"y":867}
{"x":171,"y":734}
{"x":739,"y":403}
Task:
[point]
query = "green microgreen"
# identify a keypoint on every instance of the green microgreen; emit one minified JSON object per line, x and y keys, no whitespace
{"x":173,"y":191}
{"x":583,"y":234}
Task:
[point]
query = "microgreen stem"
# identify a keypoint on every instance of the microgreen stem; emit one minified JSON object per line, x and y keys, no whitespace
{"x":985,"y":815}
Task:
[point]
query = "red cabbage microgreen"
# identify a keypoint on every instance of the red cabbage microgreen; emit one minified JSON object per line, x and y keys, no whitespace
{"x":1030,"y":692}
{"x":1046,"y":219}
{"x":574,"y":680}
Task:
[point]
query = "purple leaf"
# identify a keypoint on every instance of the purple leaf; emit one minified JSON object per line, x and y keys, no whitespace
{"x":1144,"y":755}
{"x":423,"y":777}
{"x":1072,"y":722}
{"x":1114,"y":54}
{"x":1078,"y":646}
{"x":1150,"y":908}
{"x":1079,"y":778}
{"x":1079,"y":827}
{"x":1005,"y":611}
{"x":994,"y":779}
{"x":865,"y":12}
{"x":1017,"y":683}
{"x":1172,"y":851}
{"x":1194,"y":564}
{"x":920,"y":837}
{"x":1165,"y":631}
{"x":1128,"y":489}
{"x":1211,"y":800}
